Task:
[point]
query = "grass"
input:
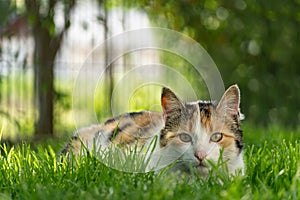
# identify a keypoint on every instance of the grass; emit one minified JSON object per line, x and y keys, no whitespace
{"x":273,"y":172}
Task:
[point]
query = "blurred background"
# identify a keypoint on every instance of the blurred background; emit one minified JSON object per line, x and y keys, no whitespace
{"x":44,"y":43}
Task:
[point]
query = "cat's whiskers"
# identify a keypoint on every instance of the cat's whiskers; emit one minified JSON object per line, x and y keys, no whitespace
{"x":183,"y":133}
{"x":211,"y":148}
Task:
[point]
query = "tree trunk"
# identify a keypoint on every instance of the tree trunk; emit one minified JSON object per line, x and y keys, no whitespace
{"x":45,"y":93}
{"x":108,"y":55}
{"x":47,"y":45}
{"x":44,"y":81}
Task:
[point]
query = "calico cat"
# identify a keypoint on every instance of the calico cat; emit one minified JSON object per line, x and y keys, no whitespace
{"x":192,"y":134}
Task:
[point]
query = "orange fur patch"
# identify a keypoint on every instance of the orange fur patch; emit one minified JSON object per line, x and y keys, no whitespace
{"x":164,"y":102}
{"x":227,"y":140}
{"x":205,"y":116}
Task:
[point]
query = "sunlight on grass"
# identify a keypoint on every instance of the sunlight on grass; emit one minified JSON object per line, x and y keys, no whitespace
{"x":272,"y":172}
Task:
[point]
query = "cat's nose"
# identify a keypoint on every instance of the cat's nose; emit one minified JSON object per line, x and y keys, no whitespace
{"x":200,"y":156}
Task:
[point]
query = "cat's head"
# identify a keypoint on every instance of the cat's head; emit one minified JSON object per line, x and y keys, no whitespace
{"x":203,"y":130}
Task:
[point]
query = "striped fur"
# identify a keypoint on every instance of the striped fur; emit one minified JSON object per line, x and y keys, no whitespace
{"x":193,"y":132}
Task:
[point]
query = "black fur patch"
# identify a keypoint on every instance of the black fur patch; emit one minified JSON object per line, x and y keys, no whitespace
{"x":162,"y":139}
{"x":109,"y":121}
{"x":239,"y":145}
{"x":113,"y":134}
{"x":239,"y":141}
{"x":204,"y":108}
{"x":117,"y":118}
{"x":135,"y":114}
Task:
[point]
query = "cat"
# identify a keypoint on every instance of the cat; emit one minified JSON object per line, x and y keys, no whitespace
{"x":193,"y":134}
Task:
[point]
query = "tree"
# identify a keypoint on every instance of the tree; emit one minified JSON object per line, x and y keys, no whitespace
{"x":103,"y":19}
{"x":254,"y":44}
{"x":47,"y":41}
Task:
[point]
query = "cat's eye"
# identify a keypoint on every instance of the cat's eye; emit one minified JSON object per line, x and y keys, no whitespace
{"x":184,"y":137}
{"x":216,"y":137}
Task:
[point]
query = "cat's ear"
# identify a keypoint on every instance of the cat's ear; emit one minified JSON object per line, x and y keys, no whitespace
{"x":170,"y":103}
{"x":230,"y":101}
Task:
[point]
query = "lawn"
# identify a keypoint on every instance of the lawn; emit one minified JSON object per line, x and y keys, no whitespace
{"x":272,"y":157}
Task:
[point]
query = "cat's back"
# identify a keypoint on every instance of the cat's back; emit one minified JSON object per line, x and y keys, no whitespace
{"x":133,"y":128}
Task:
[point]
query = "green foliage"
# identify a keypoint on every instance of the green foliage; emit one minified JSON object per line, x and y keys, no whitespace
{"x":254,"y":44}
{"x":6,"y":10}
{"x":272,"y":172}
